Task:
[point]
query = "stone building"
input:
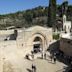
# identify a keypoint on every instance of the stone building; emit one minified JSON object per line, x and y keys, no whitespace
{"x":66,"y":44}
{"x":29,"y":39}
{"x":34,"y":39}
{"x":66,"y":24}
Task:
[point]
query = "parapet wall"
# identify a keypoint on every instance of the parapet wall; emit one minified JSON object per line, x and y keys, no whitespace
{"x":4,"y":32}
{"x":66,"y":46}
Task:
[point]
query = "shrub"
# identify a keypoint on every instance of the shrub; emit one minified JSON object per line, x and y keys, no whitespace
{"x":56,"y":36}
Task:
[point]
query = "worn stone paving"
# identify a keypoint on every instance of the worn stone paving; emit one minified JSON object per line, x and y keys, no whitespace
{"x":14,"y":60}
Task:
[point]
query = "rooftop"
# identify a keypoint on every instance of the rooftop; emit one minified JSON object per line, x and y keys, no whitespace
{"x":66,"y":35}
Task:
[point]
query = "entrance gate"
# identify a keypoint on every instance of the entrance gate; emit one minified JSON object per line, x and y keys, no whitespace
{"x":37,"y":45}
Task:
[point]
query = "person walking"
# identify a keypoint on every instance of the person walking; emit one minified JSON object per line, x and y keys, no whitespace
{"x":32,"y":55}
{"x":54,"y":59}
{"x":51,"y":57}
{"x":45,"y":56}
{"x":71,"y":64}
{"x":33,"y":68}
{"x":42,"y":55}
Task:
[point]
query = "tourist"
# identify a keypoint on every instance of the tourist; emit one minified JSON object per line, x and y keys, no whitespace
{"x":51,"y":57}
{"x":45,"y":56}
{"x":27,"y":56}
{"x":54,"y":59}
{"x":70,"y":60}
{"x":33,"y":68}
{"x":32,"y":55}
{"x":31,"y":52}
{"x":54,"y":53}
{"x":42,"y":55}
{"x":71,"y":63}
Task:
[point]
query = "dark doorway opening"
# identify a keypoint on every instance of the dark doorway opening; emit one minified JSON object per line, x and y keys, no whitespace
{"x":37,"y":45}
{"x":36,"y":48}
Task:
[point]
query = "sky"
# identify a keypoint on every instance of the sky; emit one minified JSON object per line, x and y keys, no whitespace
{"x":11,"y":6}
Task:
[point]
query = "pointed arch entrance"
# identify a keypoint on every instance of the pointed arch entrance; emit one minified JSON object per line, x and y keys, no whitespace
{"x":39,"y":42}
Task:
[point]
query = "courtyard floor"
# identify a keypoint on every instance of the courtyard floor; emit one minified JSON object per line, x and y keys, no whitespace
{"x":25,"y":66}
{"x":14,"y":61}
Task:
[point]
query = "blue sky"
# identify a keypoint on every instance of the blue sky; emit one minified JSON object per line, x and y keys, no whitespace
{"x":10,"y":6}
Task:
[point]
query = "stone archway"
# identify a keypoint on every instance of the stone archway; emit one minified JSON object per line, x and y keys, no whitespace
{"x":39,"y":40}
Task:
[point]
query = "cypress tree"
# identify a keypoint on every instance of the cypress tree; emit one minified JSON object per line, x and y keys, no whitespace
{"x":65,"y":8}
{"x":52,"y":13}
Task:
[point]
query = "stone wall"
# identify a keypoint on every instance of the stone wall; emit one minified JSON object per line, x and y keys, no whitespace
{"x":54,"y":45}
{"x":4,"y":32}
{"x":66,"y":46}
{"x":26,"y":37}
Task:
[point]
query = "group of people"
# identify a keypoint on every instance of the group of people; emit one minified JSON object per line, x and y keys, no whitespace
{"x":30,"y":56}
{"x":44,"y":56}
{"x":51,"y":56}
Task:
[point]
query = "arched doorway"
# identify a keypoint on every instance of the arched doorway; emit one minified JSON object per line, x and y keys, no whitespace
{"x":37,"y":45}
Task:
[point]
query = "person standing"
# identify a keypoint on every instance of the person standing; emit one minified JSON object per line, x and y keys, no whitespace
{"x":42,"y":55}
{"x":51,"y":57}
{"x":71,"y":63}
{"x":45,"y":56}
{"x":54,"y":59}
{"x":33,"y":68}
{"x":32,"y":55}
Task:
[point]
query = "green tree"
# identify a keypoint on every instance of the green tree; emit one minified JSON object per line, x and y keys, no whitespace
{"x":28,"y":16}
{"x":52,"y":13}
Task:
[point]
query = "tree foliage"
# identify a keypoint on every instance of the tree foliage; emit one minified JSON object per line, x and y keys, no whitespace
{"x":35,"y":16}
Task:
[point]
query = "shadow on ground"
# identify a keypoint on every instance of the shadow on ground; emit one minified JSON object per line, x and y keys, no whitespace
{"x":29,"y":70}
{"x":60,"y":56}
